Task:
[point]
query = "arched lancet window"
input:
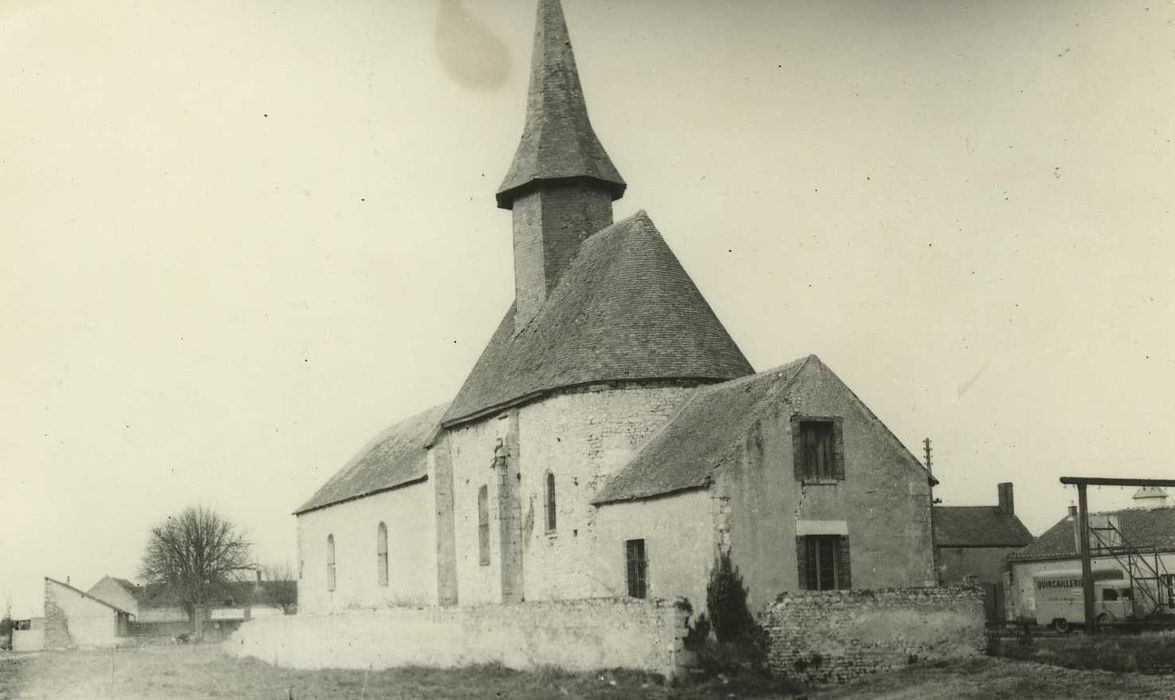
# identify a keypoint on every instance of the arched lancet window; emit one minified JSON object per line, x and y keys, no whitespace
{"x":381,"y":549}
{"x":550,"y":501}
{"x":330,"y":562}
{"x":483,"y":526}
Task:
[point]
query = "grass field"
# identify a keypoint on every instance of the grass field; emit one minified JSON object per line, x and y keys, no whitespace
{"x":205,"y":672}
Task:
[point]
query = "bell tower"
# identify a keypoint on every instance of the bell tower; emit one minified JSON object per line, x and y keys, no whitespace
{"x":562,"y":183}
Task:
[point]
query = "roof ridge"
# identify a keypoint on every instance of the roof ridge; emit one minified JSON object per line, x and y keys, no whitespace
{"x":92,"y":597}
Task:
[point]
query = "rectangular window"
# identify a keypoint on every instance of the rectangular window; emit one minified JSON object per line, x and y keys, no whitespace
{"x":1171,"y":590}
{"x":483,"y":526}
{"x":818,"y":449}
{"x":823,"y":562}
{"x":637,"y":568}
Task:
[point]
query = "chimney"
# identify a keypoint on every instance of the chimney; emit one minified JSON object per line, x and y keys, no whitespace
{"x":1072,"y":511}
{"x":1007,"y":504}
{"x":1076,"y":527}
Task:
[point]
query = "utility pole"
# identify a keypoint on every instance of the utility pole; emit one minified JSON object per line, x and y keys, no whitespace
{"x":930,"y":491}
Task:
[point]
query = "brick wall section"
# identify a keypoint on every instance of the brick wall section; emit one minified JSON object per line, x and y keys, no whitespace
{"x":838,"y":636}
{"x":549,"y":226}
{"x":578,"y":635}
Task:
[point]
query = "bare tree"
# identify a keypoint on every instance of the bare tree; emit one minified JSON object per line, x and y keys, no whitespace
{"x":281,"y":586}
{"x":196,"y":553}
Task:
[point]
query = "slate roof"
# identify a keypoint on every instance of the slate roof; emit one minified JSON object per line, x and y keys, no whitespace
{"x":394,"y":458}
{"x":558,"y":142}
{"x":704,"y":432}
{"x":1152,"y":529}
{"x":624,"y":310}
{"x":978,"y":526}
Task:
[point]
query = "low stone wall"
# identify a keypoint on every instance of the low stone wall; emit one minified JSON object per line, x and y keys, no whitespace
{"x":837,"y":636}
{"x":577,"y":635}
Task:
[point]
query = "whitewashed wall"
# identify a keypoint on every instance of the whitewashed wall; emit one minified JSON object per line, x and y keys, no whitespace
{"x":407,"y":512}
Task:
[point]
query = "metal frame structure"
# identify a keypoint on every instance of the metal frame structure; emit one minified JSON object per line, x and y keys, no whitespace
{"x":1081,"y":482}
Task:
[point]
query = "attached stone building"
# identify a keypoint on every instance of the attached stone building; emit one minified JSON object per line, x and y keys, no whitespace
{"x":974,"y":542}
{"x":612,"y":438}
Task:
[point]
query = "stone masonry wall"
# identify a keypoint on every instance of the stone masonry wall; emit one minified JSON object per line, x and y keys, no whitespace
{"x":549,"y":227}
{"x":882,"y":504}
{"x":580,"y":635}
{"x":581,"y":438}
{"x":824,"y":637}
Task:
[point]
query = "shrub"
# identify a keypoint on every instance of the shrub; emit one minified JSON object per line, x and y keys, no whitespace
{"x":740,"y":644}
{"x":726,"y":602}
{"x":698,"y":633}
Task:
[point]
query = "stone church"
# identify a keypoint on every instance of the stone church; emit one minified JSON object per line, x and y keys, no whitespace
{"x":612,"y":439}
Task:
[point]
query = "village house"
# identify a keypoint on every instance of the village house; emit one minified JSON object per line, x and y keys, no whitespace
{"x":1138,"y":543}
{"x":157,"y":609}
{"x":74,"y":618}
{"x":972,"y":543}
{"x":612,"y":438}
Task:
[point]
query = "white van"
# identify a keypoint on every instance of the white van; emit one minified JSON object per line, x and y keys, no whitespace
{"x":1060,"y":598}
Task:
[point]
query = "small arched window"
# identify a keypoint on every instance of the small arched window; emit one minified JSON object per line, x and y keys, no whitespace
{"x":330,"y":562}
{"x":381,"y":548}
{"x":550,"y":501}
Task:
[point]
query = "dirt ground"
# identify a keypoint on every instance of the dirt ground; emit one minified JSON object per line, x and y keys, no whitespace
{"x":204,"y":671}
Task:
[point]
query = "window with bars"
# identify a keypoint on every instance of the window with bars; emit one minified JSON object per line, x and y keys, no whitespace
{"x":330,"y":562}
{"x":823,"y":562}
{"x":636,"y":568}
{"x":381,"y":554}
{"x":550,"y":502}
{"x":483,"y":526}
{"x":818,"y":448}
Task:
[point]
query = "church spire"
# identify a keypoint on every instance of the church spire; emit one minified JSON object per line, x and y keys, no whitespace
{"x":562,"y":183}
{"x":558,"y":142}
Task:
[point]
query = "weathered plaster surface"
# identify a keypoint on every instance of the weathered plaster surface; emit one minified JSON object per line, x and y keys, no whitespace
{"x":412,"y":580}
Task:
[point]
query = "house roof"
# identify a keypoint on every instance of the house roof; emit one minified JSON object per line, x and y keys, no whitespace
{"x":1148,"y":529}
{"x":624,"y":310}
{"x":87,"y":595}
{"x":558,"y":142}
{"x":232,"y":593}
{"x":708,"y":427}
{"x":394,"y":458}
{"x":978,"y":526}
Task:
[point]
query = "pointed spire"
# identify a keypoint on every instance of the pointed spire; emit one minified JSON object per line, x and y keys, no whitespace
{"x":558,"y":142}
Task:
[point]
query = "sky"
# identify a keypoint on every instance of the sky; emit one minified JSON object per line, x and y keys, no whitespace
{"x":239,"y":239}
